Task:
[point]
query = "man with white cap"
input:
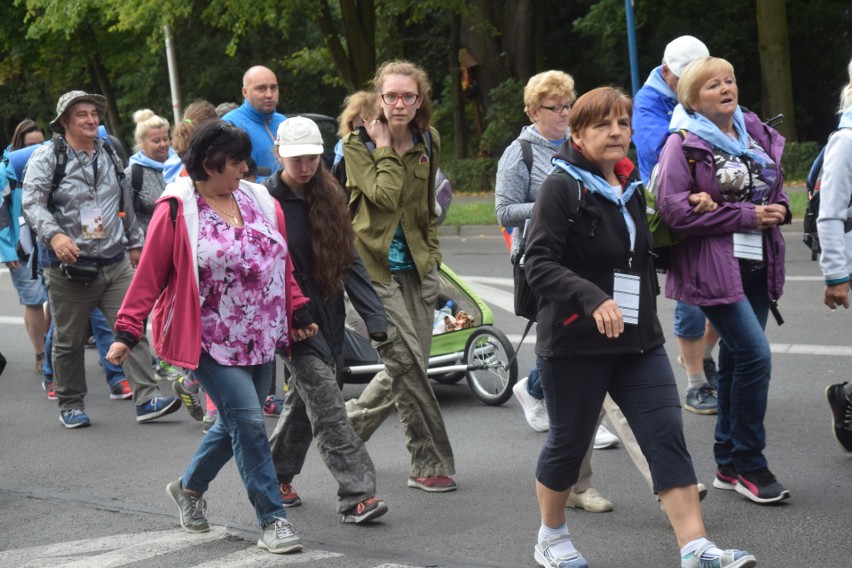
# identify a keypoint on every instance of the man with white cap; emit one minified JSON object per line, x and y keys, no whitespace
{"x":74,"y":198}
{"x":652,"y":112}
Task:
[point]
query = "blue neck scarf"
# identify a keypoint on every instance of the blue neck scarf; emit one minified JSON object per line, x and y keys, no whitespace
{"x":846,"y":119}
{"x":172,"y":168}
{"x":707,"y":130}
{"x":142,"y":159}
{"x":599,"y":185}
{"x":655,"y":81}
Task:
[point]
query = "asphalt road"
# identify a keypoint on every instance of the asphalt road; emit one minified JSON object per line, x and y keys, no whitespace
{"x":95,"y":497}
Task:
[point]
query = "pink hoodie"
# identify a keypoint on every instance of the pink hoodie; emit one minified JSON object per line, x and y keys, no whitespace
{"x":167,"y":276}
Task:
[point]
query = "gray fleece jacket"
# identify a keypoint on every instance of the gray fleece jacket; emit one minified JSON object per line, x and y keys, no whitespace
{"x":517,"y":188}
{"x":835,"y":206}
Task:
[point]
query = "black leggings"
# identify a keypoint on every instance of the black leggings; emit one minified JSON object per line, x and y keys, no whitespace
{"x":642,"y":385}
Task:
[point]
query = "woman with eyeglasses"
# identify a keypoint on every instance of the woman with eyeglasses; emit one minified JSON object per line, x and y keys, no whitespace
{"x":216,"y":271}
{"x":392,"y":184}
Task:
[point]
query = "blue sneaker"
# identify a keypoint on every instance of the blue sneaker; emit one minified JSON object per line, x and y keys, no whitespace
{"x":546,"y":557}
{"x":156,"y":407}
{"x":273,"y":406}
{"x":74,"y":418}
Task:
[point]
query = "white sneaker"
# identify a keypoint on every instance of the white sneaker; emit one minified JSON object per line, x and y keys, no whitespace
{"x":605,"y":439}
{"x":535,"y":410}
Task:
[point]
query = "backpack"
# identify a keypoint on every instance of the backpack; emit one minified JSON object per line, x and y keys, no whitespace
{"x":526,"y":300}
{"x":813,"y":184}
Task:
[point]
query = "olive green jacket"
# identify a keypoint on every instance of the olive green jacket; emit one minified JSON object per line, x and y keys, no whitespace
{"x":387,"y":190}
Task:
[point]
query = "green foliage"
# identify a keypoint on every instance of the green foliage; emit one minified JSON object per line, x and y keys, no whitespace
{"x":505,"y":117}
{"x":472,"y":175}
{"x":797,"y":159}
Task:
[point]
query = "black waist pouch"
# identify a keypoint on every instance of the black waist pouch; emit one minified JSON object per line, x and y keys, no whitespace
{"x":79,"y":273}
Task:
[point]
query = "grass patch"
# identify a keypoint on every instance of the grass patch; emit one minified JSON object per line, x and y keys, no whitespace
{"x":482,"y":212}
{"x":475,"y":213}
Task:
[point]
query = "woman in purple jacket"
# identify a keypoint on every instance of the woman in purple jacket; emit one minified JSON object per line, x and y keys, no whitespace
{"x":731,"y":263}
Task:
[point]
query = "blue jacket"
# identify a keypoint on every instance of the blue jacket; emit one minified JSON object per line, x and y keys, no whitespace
{"x":652,"y":112}
{"x":262,"y":129}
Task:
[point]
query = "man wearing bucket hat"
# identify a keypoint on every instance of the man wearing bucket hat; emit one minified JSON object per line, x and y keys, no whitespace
{"x":74,"y":195}
{"x":652,"y":111}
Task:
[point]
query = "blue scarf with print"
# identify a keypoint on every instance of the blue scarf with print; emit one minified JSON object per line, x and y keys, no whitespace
{"x":142,"y":159}
{"x":599,"y":185}
{"x":707,"y":130}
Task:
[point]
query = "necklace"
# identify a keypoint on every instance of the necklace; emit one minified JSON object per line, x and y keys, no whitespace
{"x":232,"y":216}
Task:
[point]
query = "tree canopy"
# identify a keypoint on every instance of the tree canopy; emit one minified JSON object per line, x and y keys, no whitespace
{"x":323,"y":49}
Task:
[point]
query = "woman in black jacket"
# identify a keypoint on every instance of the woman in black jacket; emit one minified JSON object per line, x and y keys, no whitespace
{"x":321,"y":243}
{"x":589,"y":259}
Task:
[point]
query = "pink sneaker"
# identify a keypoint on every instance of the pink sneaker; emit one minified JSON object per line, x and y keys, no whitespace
{"x":433,"y":484}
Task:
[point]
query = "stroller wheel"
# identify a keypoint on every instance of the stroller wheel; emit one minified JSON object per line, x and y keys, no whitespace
{"x":488,"y":355}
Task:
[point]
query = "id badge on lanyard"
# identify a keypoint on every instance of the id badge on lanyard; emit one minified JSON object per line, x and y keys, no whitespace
{"x":92,"y":220}
{"x":625,"y":292}
{"x":748,"y":246}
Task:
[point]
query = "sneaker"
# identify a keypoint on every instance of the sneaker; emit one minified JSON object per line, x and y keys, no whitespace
{"x":120,"y":390}
{"x":47,"y":386}
{"x":726,"y":478}
{"x":74,"y":418}
{"x":208,"y":421}
{"x":168,"y":372}
{"x":711,"y":373}
{"x":39,"y":363}
{"x":701,"y":400}
{"x":433,"y":484}
{"x":534,"y":409}
{"x":841,"y":415}
{"x":273,"y":406}
{"x":189,"y":398}
{"x":761,"y":487}
{"x":605,"y":439}
{"x":288,"y":495}
{"x":191,"y":508}
{"x":365,"y":511}
{"x":545,"y":557}
{"x":279,"y":537}
{"x":589,"y":500}
{"x":728,"y":559}
{"x":156,"y":407}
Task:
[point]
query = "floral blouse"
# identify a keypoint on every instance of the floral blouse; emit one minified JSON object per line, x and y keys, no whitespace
{"x":241,"y":280}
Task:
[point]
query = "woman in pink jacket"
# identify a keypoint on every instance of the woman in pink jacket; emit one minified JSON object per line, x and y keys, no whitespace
{"x":217,"y":274}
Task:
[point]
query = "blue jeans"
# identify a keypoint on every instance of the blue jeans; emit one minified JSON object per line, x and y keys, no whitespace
{"x":745,"y":365}
{"x":534,"y":384}
{"x":102,"y":333}
{"x":238,"y":393}
{"x":103,"y":339}
{"x":688,"y":321}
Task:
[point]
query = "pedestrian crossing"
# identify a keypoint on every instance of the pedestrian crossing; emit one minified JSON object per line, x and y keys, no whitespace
{"x":147,"y":547}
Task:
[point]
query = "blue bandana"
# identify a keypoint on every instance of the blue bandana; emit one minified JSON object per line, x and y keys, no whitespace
{"x":707,"y":130}
{"x":599,"y":185}
{"x":846,"y":119}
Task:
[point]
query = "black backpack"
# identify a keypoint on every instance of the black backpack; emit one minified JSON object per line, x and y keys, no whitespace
{"x":813,"y":184}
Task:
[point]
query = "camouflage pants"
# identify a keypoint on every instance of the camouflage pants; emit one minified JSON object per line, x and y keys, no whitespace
{"x":314,"y":400}
{"x":404,"y":384}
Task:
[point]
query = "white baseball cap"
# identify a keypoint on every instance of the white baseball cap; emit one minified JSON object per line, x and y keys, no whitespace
{"x":298,"y":136}
{"x":682,"y":51}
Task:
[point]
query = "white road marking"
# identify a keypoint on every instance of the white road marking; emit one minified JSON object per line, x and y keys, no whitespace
{"x":257,"y":558}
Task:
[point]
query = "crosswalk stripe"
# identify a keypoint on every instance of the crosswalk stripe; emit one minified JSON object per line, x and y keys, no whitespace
{"x":257,"y":558}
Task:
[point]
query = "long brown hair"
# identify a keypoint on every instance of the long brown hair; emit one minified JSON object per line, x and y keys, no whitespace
{"x":332,"y":237}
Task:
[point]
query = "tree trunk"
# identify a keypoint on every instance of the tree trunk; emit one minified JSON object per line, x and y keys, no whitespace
{"x":518,"y":38}
{"x":357,"y":62}
{"x":100,"y":77}
{"x":456,"y":93}
{"x":478,"y":36}
{"x":776,"y":79}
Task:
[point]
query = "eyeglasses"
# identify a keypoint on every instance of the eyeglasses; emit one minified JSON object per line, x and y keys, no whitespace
{"x":408,"y":99}
{"x":558,"y":108}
